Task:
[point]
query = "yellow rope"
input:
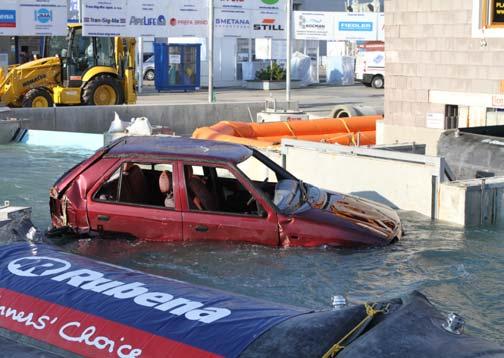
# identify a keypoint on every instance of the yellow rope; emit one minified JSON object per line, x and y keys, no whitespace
{"x":335,"y":139}
{"x":290,"y":128}
{"x":348,"y":130}
{"x":370,"y":313}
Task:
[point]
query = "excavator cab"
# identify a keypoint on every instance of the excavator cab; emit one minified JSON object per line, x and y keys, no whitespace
{"x":89,"y":64}
{"x":75,"y":70}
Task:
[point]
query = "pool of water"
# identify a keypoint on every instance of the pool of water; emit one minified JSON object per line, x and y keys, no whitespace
{"x":459,"y":270}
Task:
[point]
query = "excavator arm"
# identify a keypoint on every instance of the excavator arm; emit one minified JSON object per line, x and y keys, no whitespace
{"x":129,"y":81}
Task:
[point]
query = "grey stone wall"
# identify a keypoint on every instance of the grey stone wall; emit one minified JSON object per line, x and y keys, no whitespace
{"x":429,"y":46}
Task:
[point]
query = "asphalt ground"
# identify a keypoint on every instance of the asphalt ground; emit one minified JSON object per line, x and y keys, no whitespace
{"x":316,"y":100}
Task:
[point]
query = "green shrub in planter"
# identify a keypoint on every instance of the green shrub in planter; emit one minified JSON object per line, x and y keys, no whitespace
{"x":272,"y":73}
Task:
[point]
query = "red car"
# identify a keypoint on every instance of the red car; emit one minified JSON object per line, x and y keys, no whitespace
{"x":163,"y":188}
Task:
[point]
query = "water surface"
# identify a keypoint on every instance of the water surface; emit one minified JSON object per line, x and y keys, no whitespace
{"x":459,"y":270}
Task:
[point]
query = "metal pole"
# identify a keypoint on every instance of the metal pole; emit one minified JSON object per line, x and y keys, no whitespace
{"x":211,"y":94}
{"x":289,"y":50}
{"x":79,"y":9}
{"x":140,"y":64}
{"x":249,"y":50}
{"x":318,"y":61}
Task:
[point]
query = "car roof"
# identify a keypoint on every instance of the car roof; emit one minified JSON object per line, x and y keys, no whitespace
{"x":170,"y":146}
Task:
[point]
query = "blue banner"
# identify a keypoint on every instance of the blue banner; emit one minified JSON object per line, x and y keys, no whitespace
{"x":93,"y":308}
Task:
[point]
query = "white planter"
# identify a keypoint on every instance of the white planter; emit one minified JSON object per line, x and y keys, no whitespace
{"x":270,"y":85}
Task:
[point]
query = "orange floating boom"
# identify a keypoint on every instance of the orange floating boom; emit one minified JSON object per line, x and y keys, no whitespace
{"x":344,"y":131}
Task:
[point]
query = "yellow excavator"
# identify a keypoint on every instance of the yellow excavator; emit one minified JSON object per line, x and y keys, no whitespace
{"x":75,"y":70}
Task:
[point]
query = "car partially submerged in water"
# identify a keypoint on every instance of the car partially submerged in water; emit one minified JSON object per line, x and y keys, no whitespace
{"x":164,"y":188}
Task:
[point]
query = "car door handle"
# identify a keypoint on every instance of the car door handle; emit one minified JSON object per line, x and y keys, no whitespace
{"x":103,"y":218}
{"x":202,"y":228}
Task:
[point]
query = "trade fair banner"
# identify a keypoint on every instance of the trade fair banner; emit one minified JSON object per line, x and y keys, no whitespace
{"x":94,"y":309}
{"x":339,"y":26}
{"x":314,"y":25}
{"x":42,"y":17}
{"x":279,"y":5}
{"x":233,"y":23}
{"x":251,"y":18}
{"x":8,"y":18}
{"x":269,"y":24}
{"x":104,"y":18}
{"x":354,"y":26}
{"x":129,"y":18}
{"x":184,"y":18}
{"x":147,"y":18}
{"x":188,"y":18}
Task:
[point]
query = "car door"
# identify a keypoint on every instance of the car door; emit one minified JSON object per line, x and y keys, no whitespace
{"x":219,"y":225}
{"x":143,"y":220}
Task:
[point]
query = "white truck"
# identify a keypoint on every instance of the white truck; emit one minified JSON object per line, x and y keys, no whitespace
{"x":370,"y":65}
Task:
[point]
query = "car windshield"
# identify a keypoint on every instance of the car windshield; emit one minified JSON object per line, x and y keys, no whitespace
{"x":150,"y":59}
{"x":284,"y":190}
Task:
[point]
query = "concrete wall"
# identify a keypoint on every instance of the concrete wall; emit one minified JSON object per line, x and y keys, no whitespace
{"x":393,"y":133}
{"x":183,"y":119}
{"x":7,"y":130}
{"x":403,"y":181}
{"x":430,"y":53}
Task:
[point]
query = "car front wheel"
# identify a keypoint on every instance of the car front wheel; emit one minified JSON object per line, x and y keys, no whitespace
{"x":149,"y":75}
{"x":378,"y":82}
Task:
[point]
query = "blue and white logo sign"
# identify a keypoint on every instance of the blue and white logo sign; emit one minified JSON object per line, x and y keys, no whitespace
{"x":43,"y":16}
{"x":355,"y":26}
{"x":232,"y":23}
{"x":37,"y":266}
{"x":7,"y":18}
{"x":313,"y":25}
{"x":148,"y":21}
{"x":379,"y":59}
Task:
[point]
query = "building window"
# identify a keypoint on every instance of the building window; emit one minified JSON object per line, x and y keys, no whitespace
{"x":492,"y":13}
{"x":451,"y":116}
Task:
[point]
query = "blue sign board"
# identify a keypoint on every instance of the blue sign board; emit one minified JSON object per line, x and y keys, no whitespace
{"x":355,"y":26}
{"x":7,"y":18}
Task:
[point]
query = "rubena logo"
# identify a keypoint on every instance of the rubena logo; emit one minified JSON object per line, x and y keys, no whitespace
{"x":7,"y":18}
{"x":94,"y":281}
{"x":270,"y":2}
{"x":37,"y":266}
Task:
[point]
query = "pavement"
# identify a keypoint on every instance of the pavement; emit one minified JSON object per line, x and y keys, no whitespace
{"x":316,"y":100}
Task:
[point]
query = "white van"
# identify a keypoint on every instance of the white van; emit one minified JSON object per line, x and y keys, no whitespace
{"x":370,"y":66}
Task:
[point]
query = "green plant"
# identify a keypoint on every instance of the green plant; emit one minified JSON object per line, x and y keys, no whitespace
{"x":275,"y":72}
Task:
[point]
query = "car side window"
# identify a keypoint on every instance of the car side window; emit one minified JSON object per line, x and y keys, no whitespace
{"x":213,"y":189}
{"x":110,"y":189}
{"x":140,"y":183}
